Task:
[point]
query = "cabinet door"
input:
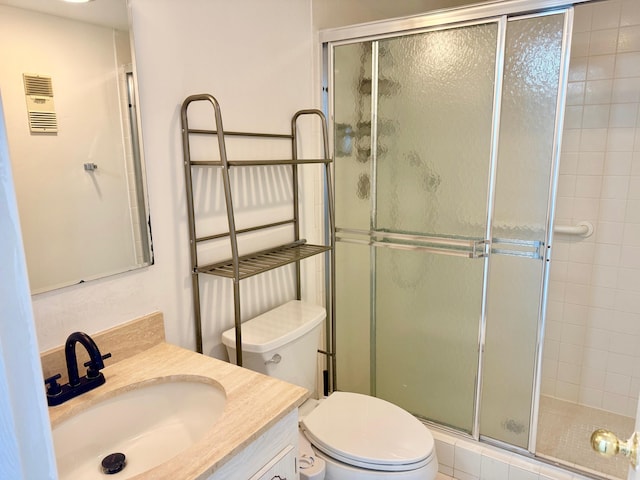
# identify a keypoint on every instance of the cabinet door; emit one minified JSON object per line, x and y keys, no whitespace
{"x":281,"y":467}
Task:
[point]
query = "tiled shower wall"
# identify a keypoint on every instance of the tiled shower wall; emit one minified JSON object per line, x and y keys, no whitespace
{"x":592,"y":342}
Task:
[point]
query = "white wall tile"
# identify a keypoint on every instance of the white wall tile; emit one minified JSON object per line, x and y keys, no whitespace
{"x":517,"y":472}
{"x":583,"y":251}
{"x":602,"y":67}
{"x":575,"y":314}
{"x":615,"y":187}
{"x":551,"y":473}
{"x":582,"y":19}
{"x":588,"y":185}
{"x":493,"y":468}
{"x":603,"y":41}
{"x":621,"y":364}
{"x":632,"y":234}
{"x":627,"y":65}
{"x":567,"y":391}
{"x":605,"y":254}
{"x":460,"y":475}
{"x":467,"y":458}
{"x":577,"y":294}
{"x":594,"y":377}
{"x":445,"y":470}
{"x":603,"y":297}
{"x":592,"y":140}
{"x":590,"y":397}
{"x":617,"y":163}
{"x":615,"y":403}
{"x":624,"y":115}
{"x":551,"y":350}
{"x":612,"y":210}
{"x":621,"y":139}
{"x":632,"y":211}
{"x":630,"y":14}
{"x":445,"y":452}
{"x":629,"y":279}
{"x":634,"y":188}
{"x":609,"y":232}
{"x":630,"y":256}
{"x":586,"y":208}
{"x":580,"y":45}
{"x":604,"y":276}
{"x":575,"y":93}
{"x":623,"y":343}
{"x":606,"y":15}
{"x":618,"y":384}
{"x":569,"y":160}
{"x":629,"y":39}
{"x":625,"y":90}
{"x":598,"y":339}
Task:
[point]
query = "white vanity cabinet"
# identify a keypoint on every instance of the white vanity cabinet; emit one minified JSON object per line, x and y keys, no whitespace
{"x":282,"y":467}
{"x":271,"y":456}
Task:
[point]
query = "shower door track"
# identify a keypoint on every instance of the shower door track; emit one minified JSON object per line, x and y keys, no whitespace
{"x":473,"y":248}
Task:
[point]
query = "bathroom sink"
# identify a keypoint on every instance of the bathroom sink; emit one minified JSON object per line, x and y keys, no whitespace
{"x":149,"y":424}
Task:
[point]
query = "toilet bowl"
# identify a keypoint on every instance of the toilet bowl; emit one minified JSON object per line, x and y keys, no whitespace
{"x":353,"y":436}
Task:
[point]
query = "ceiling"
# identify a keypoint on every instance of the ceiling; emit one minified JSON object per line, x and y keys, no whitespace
{"x":106,"y":13}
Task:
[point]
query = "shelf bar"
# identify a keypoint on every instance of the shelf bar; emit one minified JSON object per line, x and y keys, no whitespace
{"x":204,"y":131}
{"x":245,"y":230}
{"x":260,"y":262}
{"x":258,"y":163}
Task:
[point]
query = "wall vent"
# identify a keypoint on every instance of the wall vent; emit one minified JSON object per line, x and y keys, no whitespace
{"x":38,"y":90}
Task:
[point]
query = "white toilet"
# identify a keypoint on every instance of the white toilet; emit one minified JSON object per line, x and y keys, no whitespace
{"x":354,"y":436}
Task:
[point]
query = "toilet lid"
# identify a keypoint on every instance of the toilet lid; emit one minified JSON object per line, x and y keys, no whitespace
{"x":368,"y":432}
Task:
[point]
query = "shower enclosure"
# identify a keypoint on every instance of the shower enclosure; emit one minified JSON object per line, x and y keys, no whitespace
{"x":447,"y":158}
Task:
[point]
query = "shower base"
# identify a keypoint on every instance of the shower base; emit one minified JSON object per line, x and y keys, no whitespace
{"x":564,"y":430}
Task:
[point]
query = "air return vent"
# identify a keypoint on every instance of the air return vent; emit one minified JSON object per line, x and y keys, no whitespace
{"x":41,"y":111}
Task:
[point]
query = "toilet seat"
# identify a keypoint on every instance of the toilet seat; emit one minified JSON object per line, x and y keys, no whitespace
{"x":368,"y":432}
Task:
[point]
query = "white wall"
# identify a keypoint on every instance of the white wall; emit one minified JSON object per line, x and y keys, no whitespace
{"x":256,"y":57}
{"x":76,"y":225}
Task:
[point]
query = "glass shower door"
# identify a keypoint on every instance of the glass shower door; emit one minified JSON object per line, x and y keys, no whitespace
{"x":420,"y":136}
{"x":445,"y":144}
{"x":433,"y":167}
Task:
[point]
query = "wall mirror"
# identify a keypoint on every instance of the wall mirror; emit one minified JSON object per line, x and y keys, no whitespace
{"x":69,"y":96}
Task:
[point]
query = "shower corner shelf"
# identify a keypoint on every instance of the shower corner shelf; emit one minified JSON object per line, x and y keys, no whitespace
{"x":240,"y":267}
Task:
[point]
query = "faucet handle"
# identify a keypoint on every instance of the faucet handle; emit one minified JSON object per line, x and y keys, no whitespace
{"x":53,"y":387}
{"x":94,"y":370}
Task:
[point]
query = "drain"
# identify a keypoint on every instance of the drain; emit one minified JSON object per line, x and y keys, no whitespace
{"x":113,"y":463}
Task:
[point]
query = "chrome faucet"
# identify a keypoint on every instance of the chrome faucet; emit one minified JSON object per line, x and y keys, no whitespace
{"x":56,"y":393}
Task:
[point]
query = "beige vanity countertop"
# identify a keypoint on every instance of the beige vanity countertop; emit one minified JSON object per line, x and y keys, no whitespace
{"x":255,"y":403}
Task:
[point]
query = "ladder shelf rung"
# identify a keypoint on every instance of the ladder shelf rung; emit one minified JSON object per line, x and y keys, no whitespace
{"x":261,"y":262}
{"x":204,"y":131}
{"x":258,"y":163}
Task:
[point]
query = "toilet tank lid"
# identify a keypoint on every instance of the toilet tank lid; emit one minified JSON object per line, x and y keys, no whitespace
{"x":276,"y":327}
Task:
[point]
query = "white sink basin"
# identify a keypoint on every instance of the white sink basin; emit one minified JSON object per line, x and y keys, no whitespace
{"x":149,"y":425}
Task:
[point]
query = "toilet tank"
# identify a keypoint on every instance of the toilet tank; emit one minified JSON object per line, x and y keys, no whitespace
{"x":281,"y":343}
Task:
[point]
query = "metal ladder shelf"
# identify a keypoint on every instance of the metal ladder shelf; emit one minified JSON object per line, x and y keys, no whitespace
{"x":240,"y":267}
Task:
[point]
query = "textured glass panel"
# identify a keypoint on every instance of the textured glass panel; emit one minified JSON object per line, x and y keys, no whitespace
{"x":527,"y":124}
{"x":352,"y":317}
{"x":513,"y":303}
{"x":434,"y":131}
{"x":530,"y":90}
{"x":427,"y":311}
{"x":352,"y":114}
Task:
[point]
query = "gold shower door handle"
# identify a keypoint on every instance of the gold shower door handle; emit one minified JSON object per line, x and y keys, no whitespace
{"x":606,"y":443}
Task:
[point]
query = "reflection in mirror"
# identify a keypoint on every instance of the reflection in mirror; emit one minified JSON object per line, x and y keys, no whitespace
{"x":69,"y":100}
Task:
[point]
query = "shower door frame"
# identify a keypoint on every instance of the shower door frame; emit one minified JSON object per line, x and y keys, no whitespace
{"x":464,"y":16}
